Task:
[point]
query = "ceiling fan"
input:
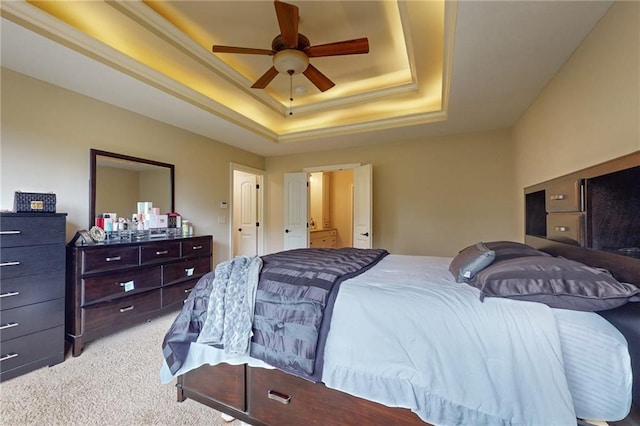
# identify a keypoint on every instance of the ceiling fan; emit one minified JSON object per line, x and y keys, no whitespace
{"x":291,"y":50}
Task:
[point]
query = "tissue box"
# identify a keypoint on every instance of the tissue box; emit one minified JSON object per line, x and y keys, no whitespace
{"x":34,"y":202}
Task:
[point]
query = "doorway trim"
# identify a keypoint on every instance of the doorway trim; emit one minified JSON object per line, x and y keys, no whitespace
{"x":260,"y":177}
{"x":331,"y":168}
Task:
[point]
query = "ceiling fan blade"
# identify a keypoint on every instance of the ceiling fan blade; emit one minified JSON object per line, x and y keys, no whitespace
{"x":265,"y":79}
{"x":347,"y":47}
{"x":318,"y":79}
{"x":247,"y":50}
{"x":288,"y":21}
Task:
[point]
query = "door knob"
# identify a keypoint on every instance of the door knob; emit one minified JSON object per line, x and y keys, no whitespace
{"x":286,"y":230}
{"x":239,"y":229}
{"x":366,"y":234}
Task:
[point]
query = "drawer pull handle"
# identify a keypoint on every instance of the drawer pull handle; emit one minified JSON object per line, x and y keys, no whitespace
{"x":197,"y":247}
{"x":9,"y":294}
{"x":561,"y":228}
{"x":188,"y":290}
{"x":113,"y":259}
{"x":162,"y":252}
{"x":277,"y":396}
{"x":558,"y":197}
{"x":9,"y":232}
{"x":8,"y":356}
{"x":9,"y":264}
{"x":128,"y":308}
{"x":8,"y":325}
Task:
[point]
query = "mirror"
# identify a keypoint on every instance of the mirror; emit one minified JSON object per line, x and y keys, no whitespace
{"x":119,"y":182}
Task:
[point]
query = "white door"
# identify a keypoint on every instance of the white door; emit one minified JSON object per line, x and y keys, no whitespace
{"x":245,"y":214}
{"x":362,"y":207}
{"x":296,"y":210}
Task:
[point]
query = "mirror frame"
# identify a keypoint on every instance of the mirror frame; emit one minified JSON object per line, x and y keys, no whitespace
{"x":92,"y":180}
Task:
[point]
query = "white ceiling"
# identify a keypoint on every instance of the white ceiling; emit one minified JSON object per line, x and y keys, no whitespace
{"x":504,"y":53}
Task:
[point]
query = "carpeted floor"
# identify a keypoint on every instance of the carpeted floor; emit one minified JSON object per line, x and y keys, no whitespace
{"x":114,"y":382}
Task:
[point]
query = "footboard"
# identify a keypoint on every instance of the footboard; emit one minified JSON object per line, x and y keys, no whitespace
{"x":270,"y":397}
{"x":221,"y":387}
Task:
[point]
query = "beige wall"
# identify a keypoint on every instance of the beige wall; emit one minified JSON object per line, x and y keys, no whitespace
{"x":590,"y":112}
{"x":430,"y":197}
{"x":47,"y":133}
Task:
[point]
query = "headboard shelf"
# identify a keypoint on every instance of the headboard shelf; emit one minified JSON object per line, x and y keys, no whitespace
{"x":592,"y":215}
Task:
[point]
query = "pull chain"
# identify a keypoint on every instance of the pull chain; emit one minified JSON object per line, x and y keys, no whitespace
{"x":290,"y":72}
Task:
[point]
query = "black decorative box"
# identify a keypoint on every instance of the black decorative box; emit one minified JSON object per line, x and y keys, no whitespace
{"x":34,"y":202}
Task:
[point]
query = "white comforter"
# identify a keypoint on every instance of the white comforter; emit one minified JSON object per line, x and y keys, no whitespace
{"x":442,"y":353}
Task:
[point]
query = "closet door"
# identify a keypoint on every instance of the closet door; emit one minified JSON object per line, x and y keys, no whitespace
{"x":296,"y":210}
{"x":362,"y":210}
{"x":245,"y":214}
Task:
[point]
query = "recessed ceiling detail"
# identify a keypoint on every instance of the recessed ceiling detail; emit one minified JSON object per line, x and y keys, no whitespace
{"x":403,"y":80}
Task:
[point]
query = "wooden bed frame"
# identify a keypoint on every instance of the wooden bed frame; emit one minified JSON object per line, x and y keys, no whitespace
{"x":270,"y":397}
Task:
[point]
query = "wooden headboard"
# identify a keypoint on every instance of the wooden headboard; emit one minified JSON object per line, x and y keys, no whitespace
{"x":593,"y":216}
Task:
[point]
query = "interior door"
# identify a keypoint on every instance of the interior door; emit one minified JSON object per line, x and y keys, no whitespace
{"x":296,"y":210}
{"x":362,"y":207}
{"x":245,"y":214}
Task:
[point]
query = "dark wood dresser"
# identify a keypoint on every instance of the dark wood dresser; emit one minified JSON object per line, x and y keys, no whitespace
{"x":113,"y":286}
{"x":32,"y":276}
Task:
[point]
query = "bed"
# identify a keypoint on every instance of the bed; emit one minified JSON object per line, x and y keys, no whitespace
{"x":407,"y":340}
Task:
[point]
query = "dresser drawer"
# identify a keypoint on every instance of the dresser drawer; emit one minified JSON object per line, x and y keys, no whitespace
{"x":161,"y":252}
{"x":196,"y":247}
{"x":192,"y":268}
{"x":118,"y":312}
{"x":566,"y":227}
{"x":223,"y":382}
{"x":120,"y":284}
{"x":176,"y":294}
{"x":27,"y":231}
{"x":21,"y":291}
{"x":109,"y":259}
{"x":564,"y":196}
{"x":329,"y":242}
{"x":34,"y":260}
{"x":28,"y":319}
{"x":19,"y":352}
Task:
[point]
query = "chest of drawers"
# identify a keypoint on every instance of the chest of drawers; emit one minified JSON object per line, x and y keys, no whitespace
{"x":32,"y":291}
{"x":111,"y":287}
{"x":325,"y":238}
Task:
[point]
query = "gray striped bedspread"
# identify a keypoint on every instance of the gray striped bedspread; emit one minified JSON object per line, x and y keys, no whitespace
{"x":293,"y":307}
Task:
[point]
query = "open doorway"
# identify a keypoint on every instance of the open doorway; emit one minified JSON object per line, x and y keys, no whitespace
{"x":301,"y":224}
{"x":247,"y":211}
{"x":331,"y":209}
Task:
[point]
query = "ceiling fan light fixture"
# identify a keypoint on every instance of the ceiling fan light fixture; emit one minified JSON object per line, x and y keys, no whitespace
{"x":290,"y":60}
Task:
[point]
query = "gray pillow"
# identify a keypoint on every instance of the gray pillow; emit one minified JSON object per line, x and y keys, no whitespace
{"x":510,"y":249}
{"x":470,"y":261}
{"x":554,"y":281}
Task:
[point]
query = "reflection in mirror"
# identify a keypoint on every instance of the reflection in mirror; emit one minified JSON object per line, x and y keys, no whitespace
{"x":119,"y":182}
